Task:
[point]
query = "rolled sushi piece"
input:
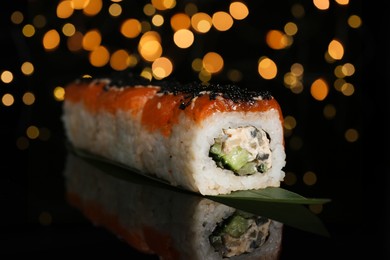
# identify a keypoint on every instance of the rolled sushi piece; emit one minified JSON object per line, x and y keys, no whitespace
{"x":166,"y":222}
{"x":207,"y":138}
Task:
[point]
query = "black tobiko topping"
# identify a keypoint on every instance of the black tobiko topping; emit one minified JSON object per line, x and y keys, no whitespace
{"x":190,"y":90}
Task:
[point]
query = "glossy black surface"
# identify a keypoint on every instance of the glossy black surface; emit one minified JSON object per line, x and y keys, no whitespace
{"x":36,"y":219}
{"x":69,"y":232}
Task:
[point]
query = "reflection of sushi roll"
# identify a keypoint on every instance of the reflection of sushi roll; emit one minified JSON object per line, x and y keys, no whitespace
{"x":210,"y":139}
{"x":168,"y":223}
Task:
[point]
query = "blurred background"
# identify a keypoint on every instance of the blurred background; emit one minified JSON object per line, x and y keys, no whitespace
{"x":325,"y":61}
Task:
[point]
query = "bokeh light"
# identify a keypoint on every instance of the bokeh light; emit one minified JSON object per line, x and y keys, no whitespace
{"x":51,"y":40}
{"x":183,"y":38}
{"x":267,"y":68}
{"x":238,"y":10}
{"x":319,"y":89}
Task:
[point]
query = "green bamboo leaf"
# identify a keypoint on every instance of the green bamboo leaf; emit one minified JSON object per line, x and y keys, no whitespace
{"x":275,"y":203}
{"x":269,"y":194}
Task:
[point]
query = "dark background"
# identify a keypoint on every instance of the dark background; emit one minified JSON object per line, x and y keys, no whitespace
{"x":354,"y":175}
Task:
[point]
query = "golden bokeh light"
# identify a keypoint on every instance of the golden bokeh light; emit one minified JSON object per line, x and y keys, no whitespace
{"x":162,"y":67}
{"x":348,"y":69}
{"x":222,"y":21}
{"x":39,"y":21}
{"x":149,"y":10}
{"x":32,"y":132}
{"x":201,"y":22}
{"x":321,"y":4}
{"x":130,"y":28}
{"x":298,"y":11}
{"x":91,"y":40}
{"x":319,"y":89}
{"x":17,"y":17}
{"x":145,"y":27}
{"x":27,"y":68}
{"x":149,"y":46}
{"x":28,"y":98}
{"x":115,"y":10}
{"x":28,"y":30}
{"x":159,"y":4}
{"x":147,"y":73}
{"x":65,"y":9}
{"x":163,"y":4}
{"x":338,"y":72}
{"x":297,"y":88}
{"x":316,"y":208}
{"x":150,"y":50}
{"x":190,"y":9}
{"x":336,"y":50}
{"x":267,"y":68}
{"x":79,"y":4}
{"x":290,"y":178}
{"x":354,"y":21}
{"x":180,"y":21}
{"x":158,"y":20}
{"x":99,"y":56}
{"x":59,"y":93}
{"x":68,"y":29}
{"x":183,"y":38}
{"x":149,"y":36}
{"x":204,"y":75}
{"x":213,"y":62}
{"x":338,"y":83}
{"x":347,"y":89}
{"x":132,"y":60}
{"x":234,"y":75}
{"x":119,"y":60}
{"x":238,"y":10}
{"x":309,"y":178}
{"x":329,"y":111}
{"x":297,"y":69}
{"x":7,"y":76}
{"x":74,"y":42}
{"x":290,"y":79}
{"x":291,"y":28}
{"x":342,"y":2}
{"x":51,"y":40}
{"x":290,"y":122}
{"x":197,"y":64}
{"x":276,"y":39}
{"x":351,"y":135}
{"x":7,"y":99}
{"x":93,"y":7}
{"x":22,"y":143}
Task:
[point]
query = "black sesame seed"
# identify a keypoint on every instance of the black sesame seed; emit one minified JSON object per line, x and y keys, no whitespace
{"x":190,"y":90}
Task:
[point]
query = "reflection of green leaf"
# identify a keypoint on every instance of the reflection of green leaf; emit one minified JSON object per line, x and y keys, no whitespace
{"x":291,"y":214}
{"x":276,"y":203}
{"x":274,"y":194}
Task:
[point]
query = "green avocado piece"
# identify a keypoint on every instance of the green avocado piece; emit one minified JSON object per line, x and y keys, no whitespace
{"x":237,"y":226}
{"x":236,"y":159}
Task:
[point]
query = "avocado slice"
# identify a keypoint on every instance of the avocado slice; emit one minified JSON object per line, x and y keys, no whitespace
{"x":233,"y":160}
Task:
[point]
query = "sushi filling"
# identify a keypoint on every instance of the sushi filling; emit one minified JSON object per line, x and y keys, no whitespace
{"x":243,"y":150}
{"x":240,"y":233}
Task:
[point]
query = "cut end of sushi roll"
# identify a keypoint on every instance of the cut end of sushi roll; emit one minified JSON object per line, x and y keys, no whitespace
{"x":239,"y":151}
{"x":211,"y":139}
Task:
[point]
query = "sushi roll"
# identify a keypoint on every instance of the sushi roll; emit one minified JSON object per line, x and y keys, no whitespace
{"x":166,"y":222}
{"x":207,"y":138}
